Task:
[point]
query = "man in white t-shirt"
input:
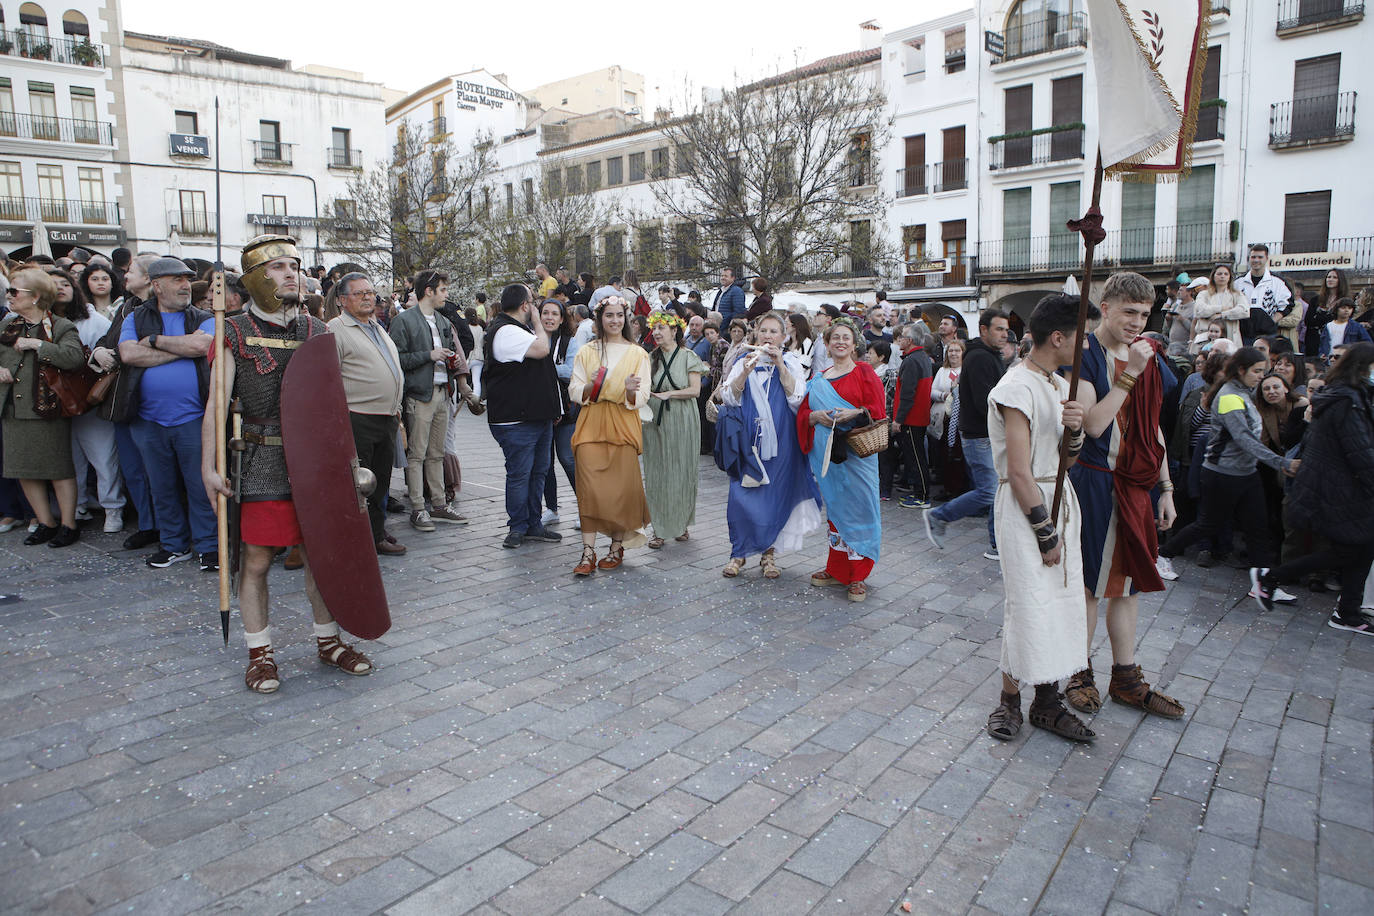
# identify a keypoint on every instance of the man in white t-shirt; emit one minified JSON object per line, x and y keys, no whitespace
{"x":434,"y":365}
{"x":523,"y":400}
{"x":610,"y":289}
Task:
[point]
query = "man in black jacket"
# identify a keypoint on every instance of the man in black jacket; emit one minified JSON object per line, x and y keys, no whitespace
{"x":982,"y":370}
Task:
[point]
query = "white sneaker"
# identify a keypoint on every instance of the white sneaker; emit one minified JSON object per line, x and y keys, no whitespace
{"x":83,"y":514}
{"x":33,"y":526}
{"x":549,"y":517}
{"x":1165,"y":569}
{"x":114,"y":522}
{"x":1279,"y":597}
{"x":991,"y":554}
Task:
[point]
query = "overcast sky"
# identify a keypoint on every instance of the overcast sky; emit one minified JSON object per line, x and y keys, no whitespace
{"x":406,"y":44}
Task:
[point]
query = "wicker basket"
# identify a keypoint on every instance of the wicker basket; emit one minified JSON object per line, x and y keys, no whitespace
{"x":868,"y":440}
{"x":712,"y":409}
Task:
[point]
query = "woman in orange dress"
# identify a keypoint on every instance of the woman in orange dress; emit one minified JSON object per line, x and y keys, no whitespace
{"x":609,"y":437}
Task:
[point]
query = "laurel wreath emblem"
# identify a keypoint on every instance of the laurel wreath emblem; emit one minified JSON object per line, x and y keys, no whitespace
{"x":1156,"y":31}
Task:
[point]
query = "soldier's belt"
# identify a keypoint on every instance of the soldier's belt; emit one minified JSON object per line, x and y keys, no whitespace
{"x":260,"y":439}
{"x":272,"y":342}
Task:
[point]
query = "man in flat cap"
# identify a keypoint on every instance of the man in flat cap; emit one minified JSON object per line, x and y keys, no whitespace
{"x":163,"y":345}
{"x":258,"y":344}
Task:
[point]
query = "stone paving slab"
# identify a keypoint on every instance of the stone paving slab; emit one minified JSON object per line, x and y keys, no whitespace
{"x":661,"y":740}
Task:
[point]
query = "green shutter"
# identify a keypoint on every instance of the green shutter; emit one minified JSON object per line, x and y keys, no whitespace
{"x":1195,"y":196}
{"x":1064,"y":206}
{"x":1016,"y":228}
{"x":1137,"y":222}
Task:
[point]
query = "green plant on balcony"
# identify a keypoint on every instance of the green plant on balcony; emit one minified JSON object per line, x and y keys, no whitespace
{"x":1023,"y":134}
{"x":41,"y":51}
{"x":6,"y":46}
{"x":86,"y":53}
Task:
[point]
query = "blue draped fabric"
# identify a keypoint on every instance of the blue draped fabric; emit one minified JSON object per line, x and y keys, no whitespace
{"x":850,"y":488}
{"x":756,"y":515}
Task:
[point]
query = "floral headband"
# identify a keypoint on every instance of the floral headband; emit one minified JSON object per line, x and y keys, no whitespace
{"x":846,"y":323}
{"x":668,"y":318}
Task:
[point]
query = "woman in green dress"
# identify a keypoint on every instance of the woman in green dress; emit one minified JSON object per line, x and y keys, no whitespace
{"x":672,"y":439}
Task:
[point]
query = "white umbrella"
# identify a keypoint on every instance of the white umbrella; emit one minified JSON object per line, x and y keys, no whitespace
{"x":1071,"y":286}
{"x":174,"y":244}
{"x":41,"y":244}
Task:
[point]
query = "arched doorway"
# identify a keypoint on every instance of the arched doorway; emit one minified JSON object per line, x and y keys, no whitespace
{"x":1020,"y":304}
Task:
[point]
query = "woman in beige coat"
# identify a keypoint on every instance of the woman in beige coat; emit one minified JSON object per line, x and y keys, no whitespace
{"x":1221,"y":301}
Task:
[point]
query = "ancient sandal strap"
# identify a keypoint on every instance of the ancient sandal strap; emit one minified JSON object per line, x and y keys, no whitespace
{"x":262,"y":675}
{"x":1081,"y":692}
{"x":733,"y":567}
{"x":1059,"y":720}
{"x":1005,"y":721}
{"x":337,"y":654}
{"x":769,"y":563}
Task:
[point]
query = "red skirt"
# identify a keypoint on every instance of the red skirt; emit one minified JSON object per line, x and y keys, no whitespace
{"x":270,"y":523}
{"x":845,"y":565}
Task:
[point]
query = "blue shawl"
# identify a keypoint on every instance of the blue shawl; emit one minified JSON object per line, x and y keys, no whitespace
{"x":850,"y":489}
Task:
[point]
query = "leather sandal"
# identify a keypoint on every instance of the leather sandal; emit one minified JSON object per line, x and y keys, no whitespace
{"x":337,"y":654}
{"x":1005,"y":721}
{"x":769,"y":564}
{"x":1128,"y":687}
{"x":684,"y":536}
{"x":262,"y":676}
{"x":293,"y":559}
{"x":732,"y":568}
{"x":655,"y":543}
{"x":1058,"y":719}
{"x":857,"y":591}
{"x":824,"y":578}
{"x":1081,"y":691}
{"x":588,"y":562}
{"x":614,"y":557}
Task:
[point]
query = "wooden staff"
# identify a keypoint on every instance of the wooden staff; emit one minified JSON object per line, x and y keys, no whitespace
{"x":1091,"y":228}
{"x":221,"y":445}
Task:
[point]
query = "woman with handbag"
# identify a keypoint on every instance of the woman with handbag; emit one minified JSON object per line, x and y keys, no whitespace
{"x":609,"y":381}
{"x":93,"y":437}
{"x":562,"y":352}
{"x":38,"y":441}
{"x":672,"y":438}
{"x":846,"y":400}
{"x":773,"y":498}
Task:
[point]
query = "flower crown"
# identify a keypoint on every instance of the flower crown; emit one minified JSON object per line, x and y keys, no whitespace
{"x":668,"y":318}
{"x":846,"y":323}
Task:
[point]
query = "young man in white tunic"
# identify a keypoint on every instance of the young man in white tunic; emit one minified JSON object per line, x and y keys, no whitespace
{"x":1044,"y":627}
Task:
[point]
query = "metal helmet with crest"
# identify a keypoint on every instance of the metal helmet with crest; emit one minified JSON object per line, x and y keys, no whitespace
{"x":257,"y":254}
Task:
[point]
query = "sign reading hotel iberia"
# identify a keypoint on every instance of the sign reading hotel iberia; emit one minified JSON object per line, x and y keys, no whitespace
{"x":470,"y":95}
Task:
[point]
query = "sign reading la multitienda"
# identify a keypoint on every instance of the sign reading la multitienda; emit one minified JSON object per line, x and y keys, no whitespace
{"x":1313,"y":260}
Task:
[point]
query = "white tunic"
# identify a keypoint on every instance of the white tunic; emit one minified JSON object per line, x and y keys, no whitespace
{"x":1044,"y":626}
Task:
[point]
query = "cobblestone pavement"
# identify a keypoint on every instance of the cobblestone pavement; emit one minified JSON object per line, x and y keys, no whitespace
{"x":660,"y":739}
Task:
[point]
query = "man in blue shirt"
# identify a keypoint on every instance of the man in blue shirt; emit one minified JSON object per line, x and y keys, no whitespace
{"x":164,"y":343}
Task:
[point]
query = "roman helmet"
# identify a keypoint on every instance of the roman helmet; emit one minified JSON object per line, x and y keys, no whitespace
{"x":256,"y":255}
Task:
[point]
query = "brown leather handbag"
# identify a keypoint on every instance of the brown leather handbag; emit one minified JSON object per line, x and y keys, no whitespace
{"x":70,"y":390}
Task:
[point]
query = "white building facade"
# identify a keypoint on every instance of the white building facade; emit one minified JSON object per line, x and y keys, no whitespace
{"x":289,"y":142}
{"x":58,"y":126}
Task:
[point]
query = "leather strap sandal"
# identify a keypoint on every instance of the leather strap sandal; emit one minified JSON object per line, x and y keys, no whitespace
{"x":769,"y":563}
{"x":824,"y":578}
{"x":733,"y":567}
{"x":614,"y":557}
{"x":1081,"y":691}
{"x":1057,"y":718}
{"x":1005,"y":721}
{"x":857,"y":591}
{"x":655,"y":543}
{"x":684,"y":536}
{"x":337,"y":654}
{"x":588,"y":562}
{"x":1128,"y":687}
{"x":262,"y":676}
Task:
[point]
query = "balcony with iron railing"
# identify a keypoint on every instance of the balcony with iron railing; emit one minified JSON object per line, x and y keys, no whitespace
{"x":1211,"y":120}
{"x":1315,"y":121}
{"x":949,"y":175}
{"x":1061,"y":143}
{"x":1186,"y":245}
{"x":911,"y":182}
{"x":58,"y":130}
{"x":192,"y":222}
{"x":859,"y":172}
{"x":22,"y":43}
{"x":438,"y":128}
{"x":1029,"y":36}
{"x":961,"y":269}
{"x":1299,"y":16}
{"x":273,"y":152}
{"x":71,"y":212}
{"x":338,"y":158}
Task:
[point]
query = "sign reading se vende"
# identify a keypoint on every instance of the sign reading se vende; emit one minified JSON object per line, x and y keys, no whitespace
{"x":1312,"y":260}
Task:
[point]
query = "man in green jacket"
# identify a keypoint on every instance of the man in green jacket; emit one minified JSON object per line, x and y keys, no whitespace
{"x":434,"y":365}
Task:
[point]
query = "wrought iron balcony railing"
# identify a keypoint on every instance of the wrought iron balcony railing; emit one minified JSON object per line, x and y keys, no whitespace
{"x":1296,"y":16}
{"x":950,"y":175}
{"x":1042,"y":34}
{"x":273,"y":152}
{"x":59,"y":130}
{"x":343,"y":158}
{"x":1312,"y":121}
{"x":1041,"y":148}
{"x":911,"y":182}
{"x":72,"y":212}
{"x":1159,"y":246}
{"x":192,"y":222}
{"x":22,"y":43}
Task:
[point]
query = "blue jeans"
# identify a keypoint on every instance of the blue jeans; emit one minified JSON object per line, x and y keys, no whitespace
{"x":528,"y":448}
{"x":135,"y":478}
{"x":983,"y":478}
{"x":171,"y":458}
{"x":563,"y":453}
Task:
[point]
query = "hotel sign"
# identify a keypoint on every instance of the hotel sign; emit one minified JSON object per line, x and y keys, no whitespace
{"x":470,"y":95}
{"x":190,"y":145}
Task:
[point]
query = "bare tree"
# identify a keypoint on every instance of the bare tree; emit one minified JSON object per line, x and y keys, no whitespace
{"x":778,"y":178}
{"x":549,"y":226}
{"x":425,"y":208}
